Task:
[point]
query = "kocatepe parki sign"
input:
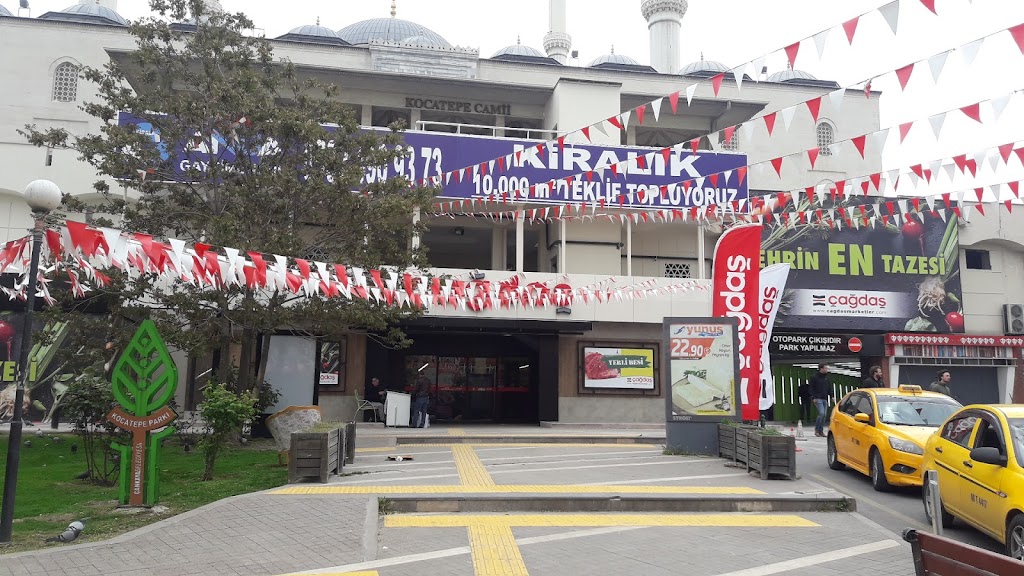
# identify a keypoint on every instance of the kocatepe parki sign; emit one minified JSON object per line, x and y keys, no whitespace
{"x":902,"y":276}
{"x":433,"y":155}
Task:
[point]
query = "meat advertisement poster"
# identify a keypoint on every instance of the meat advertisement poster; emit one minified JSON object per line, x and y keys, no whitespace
{"x":703,"y":369}
{"x":631,"y":368}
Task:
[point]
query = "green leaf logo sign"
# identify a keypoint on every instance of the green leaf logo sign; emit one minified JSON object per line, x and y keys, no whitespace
{"x":143,"y":381}
{"x":145,"y":377}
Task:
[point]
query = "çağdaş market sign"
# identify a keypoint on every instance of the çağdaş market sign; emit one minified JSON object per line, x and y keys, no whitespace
{"x":434,"y":154}
{"x":887,"y":277}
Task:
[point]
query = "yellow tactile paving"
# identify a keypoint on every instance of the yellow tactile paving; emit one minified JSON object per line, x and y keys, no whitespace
{"x":471,"y":470}
{"x":513,"y":489}
{"x":456,"y":431}
{"x":494,"y":551}
{"x":598,"y":520}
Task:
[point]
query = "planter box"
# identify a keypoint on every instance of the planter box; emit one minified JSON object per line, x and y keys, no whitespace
{"x":759,"y":452}
{"x":316,"y":454}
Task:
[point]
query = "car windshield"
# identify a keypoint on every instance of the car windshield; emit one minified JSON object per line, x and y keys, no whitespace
{"x":1017,"y":433}
{"x":904,"y":411}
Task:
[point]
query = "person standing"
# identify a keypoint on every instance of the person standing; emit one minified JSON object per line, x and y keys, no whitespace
{"x":821,"y":386}
{"x":874,"y":379}
{"x":941,"y":384}
{"x":803,"y":392}
{"x":421,"y":393}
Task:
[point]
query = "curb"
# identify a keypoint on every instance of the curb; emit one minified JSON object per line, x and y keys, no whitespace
{"x":602,"y":426}
{"x":540,"y":439}
{"x":624,"y":503}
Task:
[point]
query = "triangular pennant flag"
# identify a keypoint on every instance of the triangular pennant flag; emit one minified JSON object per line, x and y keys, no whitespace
{"x":814,"y":105}
{"x":859,"y":142}
{"x":758,"y":65}
{"x":728,"y":134}
{"x":904,"y":130}
{"x":970,"y":51}
{"x":787,"y":116}
{"x":812,"y":155}
{"x":930,"y":4}
{"x":936,"y":122}
{"x":769,"y":122}
{"x":673,"y":100}
{"x":656,"y":107}
{"x":891,"y":13}
{"x":850,"y":27}
{"x":777,"y":164}
{"x":973,"y":111}
{"x":1017,"y":32}
{"x":999,"y":105}
{"x":880,"y":138}
{"x":614,"y":121}
{"x":936,"y":64}
{"x":640,"y":113}
{"x":836,"y":98}
{"x":690,"y":91}
{"x":791,"y":52}
{"x":625,"y":119}
{"x":903,"y":75}
{"x":738,"y":73}
{"x":1015,"y":188}
{"x":1004,"y":151}
{"x":747,"y":129}
{"x":819,"y":41}
{"x":716,"y":82}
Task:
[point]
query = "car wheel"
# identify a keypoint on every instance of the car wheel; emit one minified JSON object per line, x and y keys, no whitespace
{"x":1015,"y":537}
{"x":947,"y":518}
{"x":833,"y":455}
{"x":878,"y":479}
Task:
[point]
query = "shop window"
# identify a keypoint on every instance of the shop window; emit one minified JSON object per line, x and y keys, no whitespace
{"x":978,"y":259}
{"x":826,"y":137}
{"x":677,"y":270}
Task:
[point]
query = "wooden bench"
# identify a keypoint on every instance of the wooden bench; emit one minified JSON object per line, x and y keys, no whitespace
{"x":939,"y":556}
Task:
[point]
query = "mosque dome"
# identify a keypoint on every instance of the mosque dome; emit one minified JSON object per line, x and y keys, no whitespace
{"x":313,"y":34}
{"x":518,"y":49}
{"x":613,"y":61}
{"x":703,"y":68}
{"x":5,"y":11}
{"x":87,"y":14}
{"x":391,"y":30}
{"x":790,"y":74}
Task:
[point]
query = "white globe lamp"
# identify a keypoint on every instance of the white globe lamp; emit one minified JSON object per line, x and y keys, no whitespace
{"x":43,"y":196}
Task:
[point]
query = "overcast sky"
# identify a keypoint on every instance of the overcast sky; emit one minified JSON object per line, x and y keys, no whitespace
{"x":735,"y":32}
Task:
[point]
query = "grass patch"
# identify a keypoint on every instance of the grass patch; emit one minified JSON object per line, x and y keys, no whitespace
{"x":49,"y":497}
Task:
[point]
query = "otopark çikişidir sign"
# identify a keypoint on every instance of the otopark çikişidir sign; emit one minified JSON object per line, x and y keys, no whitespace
{"x":144,"y":380}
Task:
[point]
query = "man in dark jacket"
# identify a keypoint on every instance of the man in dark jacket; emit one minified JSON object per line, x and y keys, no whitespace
{"x":803,"y":392}
{"x":874,"y":379}
{"x":821,"y":387}
{"x":421,"y":395}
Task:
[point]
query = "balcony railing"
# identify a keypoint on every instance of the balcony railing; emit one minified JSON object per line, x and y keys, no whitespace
{"x":496,"y":131}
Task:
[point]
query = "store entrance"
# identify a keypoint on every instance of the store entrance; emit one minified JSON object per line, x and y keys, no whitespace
{"x":475,"y":388}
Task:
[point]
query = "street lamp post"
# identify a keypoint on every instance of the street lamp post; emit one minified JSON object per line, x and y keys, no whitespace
{"x":42,"y":197}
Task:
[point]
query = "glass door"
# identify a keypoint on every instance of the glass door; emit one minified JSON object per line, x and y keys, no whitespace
{"x":480,"y":384}
{"x":451,"y":388}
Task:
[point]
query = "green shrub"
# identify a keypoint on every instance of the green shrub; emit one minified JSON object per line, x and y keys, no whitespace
{"x":224,"y":412}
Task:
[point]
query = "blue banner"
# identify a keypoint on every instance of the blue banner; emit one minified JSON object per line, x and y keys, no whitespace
{"x":431,"y":155}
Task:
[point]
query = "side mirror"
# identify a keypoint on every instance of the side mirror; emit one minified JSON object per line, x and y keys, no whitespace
{"x":988,"y":455}
{"x":862,"y":418}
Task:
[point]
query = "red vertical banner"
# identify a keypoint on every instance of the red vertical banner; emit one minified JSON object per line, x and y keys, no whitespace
{"x":736,"y":294}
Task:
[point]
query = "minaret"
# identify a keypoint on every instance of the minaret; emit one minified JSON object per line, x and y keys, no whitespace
{"x":557,"y":41}
{"x":112,"y":4}
{"x":664,"y":21}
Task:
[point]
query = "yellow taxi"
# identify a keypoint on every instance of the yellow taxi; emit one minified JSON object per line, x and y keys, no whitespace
{"x":979,"y":456}
{"x":881,"y":432}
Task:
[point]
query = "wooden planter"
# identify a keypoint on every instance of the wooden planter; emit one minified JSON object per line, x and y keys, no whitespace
{"x":759,"y":452}
{"x":316,"y":454}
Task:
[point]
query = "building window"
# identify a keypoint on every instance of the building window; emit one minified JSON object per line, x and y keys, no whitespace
{"x":65,"y":82}
{"x":826,"y":138}
{"x":978,"y":259}
{"x":731,"y":145}
{"x":677,"y":270}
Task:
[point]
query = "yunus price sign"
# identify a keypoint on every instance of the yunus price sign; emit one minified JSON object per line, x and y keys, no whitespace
{"x":703,"y":368}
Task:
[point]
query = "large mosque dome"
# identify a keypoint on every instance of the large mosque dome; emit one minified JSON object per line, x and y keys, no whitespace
{"x":391,"y":30}
{"x":87,"y":14}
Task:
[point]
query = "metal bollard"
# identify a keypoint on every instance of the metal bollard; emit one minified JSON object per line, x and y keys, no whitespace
{"x":932,"y":479}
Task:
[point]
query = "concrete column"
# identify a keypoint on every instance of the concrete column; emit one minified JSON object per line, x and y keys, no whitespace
{"x":520,"y":239}
{"x":499,"y":123}
{"x":562,"y":267}
{"x":366,"y":117}
{"x":499,"y":246}
{"x":629,"y":247}
{"x":414,"y":116}
{"x":701,"y":252}
{"x":415,"y":221}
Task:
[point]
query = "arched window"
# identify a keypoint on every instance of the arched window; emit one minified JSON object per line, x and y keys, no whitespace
{"x":65,"y":82}
{"x":733,"y":144}
{"x":826,"y":137}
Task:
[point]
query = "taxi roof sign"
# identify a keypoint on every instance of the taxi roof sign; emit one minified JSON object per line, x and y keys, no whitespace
{"x":913,"y":388}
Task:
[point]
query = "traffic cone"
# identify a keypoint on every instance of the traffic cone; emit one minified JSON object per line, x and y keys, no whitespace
{"x":800,"y":429}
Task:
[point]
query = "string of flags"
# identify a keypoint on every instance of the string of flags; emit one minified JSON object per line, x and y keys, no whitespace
{"x":936,"y":63}
{"x":83,"y":252}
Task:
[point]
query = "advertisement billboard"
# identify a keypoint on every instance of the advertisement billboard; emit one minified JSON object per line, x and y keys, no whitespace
{"x":434,"y":154}
{"x":702,"y":358}
{"x":630,"y":368}
{"x":903,"y":275}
